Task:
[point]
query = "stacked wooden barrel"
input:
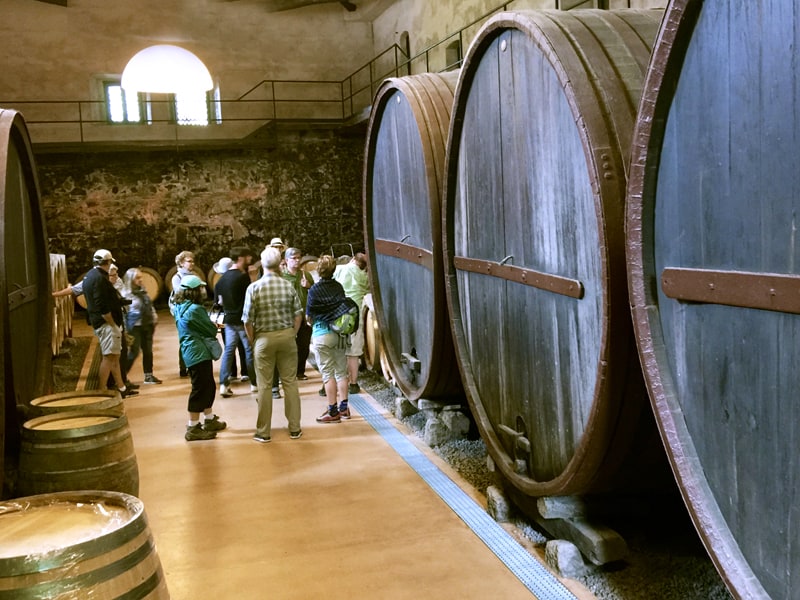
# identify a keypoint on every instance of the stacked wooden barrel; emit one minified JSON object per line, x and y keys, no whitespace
{"x":63,"y":306}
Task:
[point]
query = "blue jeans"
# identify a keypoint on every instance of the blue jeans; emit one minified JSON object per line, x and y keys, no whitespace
{"x":234,"y":333}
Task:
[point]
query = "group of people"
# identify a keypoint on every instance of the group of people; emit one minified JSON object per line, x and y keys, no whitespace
{"x":278,"y":319}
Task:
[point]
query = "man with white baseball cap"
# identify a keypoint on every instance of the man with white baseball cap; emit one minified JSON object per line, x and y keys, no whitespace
{"x":104,"y":312}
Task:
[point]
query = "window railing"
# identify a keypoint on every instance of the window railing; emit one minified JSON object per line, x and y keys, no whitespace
{"x":268,"y":103}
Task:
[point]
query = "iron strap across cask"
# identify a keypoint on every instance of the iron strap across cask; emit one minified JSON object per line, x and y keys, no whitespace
{"x":534,"y":244}
{"x":714,"y":272}
{"x":403,"y":183}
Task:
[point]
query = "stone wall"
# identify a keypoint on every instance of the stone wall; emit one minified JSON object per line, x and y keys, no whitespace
{"x":146,"y":206}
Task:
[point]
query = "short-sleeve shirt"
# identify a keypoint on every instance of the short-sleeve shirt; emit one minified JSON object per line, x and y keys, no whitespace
{"x":271,"y":304}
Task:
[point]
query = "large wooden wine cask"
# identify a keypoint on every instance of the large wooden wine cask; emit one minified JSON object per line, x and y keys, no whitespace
{"x":715,"y":278}
{"x":26,"y":310}
{"x":403,"y":183}
{"x":535,"y":249}
{"x":78,"y":545}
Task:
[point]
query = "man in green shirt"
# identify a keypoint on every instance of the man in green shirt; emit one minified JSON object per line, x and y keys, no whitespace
{"x":301,"y":281}
{"x":354,"y":280}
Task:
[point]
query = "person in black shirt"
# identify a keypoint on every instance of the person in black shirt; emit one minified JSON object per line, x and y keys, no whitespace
{"x":104,"y":311}
{"x":231,"y":287}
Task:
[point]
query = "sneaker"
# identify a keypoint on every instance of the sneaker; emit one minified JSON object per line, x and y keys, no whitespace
{"x":322,"y":391}
{"x":196,"y":432}
{"x":253,"y":389}
{"x":128,"y":392}
{"x":150,"y":378}
{"x":344,"y":410}
{"x":276,"y":393}
{"x":214,"y":424}
{"x":295,"y":434}
{"x":330,"y":416}
{"x":132,"y":386}
{"x":225,"y":391}
{"x":261,"y":439}
{"x":244,"y":379}
{"x":302,"y":377}
{"x":353,"y":388}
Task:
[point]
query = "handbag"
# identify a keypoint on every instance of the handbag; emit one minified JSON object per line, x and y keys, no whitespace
{"x":214,"y":347}
{"x":217,"y":314}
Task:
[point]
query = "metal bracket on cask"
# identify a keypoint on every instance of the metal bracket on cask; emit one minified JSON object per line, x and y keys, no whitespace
{"x":21,"y":295}
{"x":543,"y":281}
{"x":521,"y":446}
{"x":766,"y":291}
{"x":414,"y":254}
{"x":411,"y":364}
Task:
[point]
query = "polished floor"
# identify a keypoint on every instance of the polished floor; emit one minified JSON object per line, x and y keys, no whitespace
{"x":337,"y":513}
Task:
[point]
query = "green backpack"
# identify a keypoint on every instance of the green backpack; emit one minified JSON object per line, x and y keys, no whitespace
{"x":348,"y":322}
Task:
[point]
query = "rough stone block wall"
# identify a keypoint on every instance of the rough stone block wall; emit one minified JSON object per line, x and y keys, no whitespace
{"x":146,"y":206}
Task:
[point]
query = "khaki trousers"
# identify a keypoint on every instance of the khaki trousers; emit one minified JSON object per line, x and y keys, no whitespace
{"x":271,"y":349}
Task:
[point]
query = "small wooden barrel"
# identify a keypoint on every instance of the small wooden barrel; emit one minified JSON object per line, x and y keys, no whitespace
{"x":63,"y":306}
{"x":77,"y":450}
{"x":372,"y":336}
{"x":81,"y":400}
{"x":152,"y":283}
{"x":309,"y":264}
{"x":196,"y":271}
{"x":403,"y":181}
{"x":534,"y":245}
{"x":714,"y":271}
{"x":75,"y":545}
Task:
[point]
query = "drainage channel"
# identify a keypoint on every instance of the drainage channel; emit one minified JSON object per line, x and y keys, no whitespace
{"x":526,"y":568}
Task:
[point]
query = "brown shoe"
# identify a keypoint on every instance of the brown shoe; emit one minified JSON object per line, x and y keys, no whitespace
{"x":330,"y":416}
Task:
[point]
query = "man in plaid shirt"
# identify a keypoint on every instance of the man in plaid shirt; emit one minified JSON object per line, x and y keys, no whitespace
{"x":271,"y":315}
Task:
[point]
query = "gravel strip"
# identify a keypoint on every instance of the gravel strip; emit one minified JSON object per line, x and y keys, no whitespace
{"x":666,"y":559}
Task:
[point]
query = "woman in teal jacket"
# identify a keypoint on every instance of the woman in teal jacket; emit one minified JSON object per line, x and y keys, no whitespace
{"x":194,"y":327}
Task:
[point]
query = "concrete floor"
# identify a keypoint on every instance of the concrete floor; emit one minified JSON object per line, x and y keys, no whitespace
{"x":335,"y":514}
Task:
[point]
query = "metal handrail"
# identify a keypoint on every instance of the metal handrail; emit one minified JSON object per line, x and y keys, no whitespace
{"x":352,"y":94}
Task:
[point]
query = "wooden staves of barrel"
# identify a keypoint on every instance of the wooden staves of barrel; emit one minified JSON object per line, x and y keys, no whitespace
{"x":78,"y":545}
{"x":64,"y":306}
{"x":152,"y":283}
{"x":26,"y":310}
{"x":77,"y":450}
{"x":713,"y":262}
{"x":372,"y":336}
{"x":403,"y":181}
{"x":534,"y":246}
